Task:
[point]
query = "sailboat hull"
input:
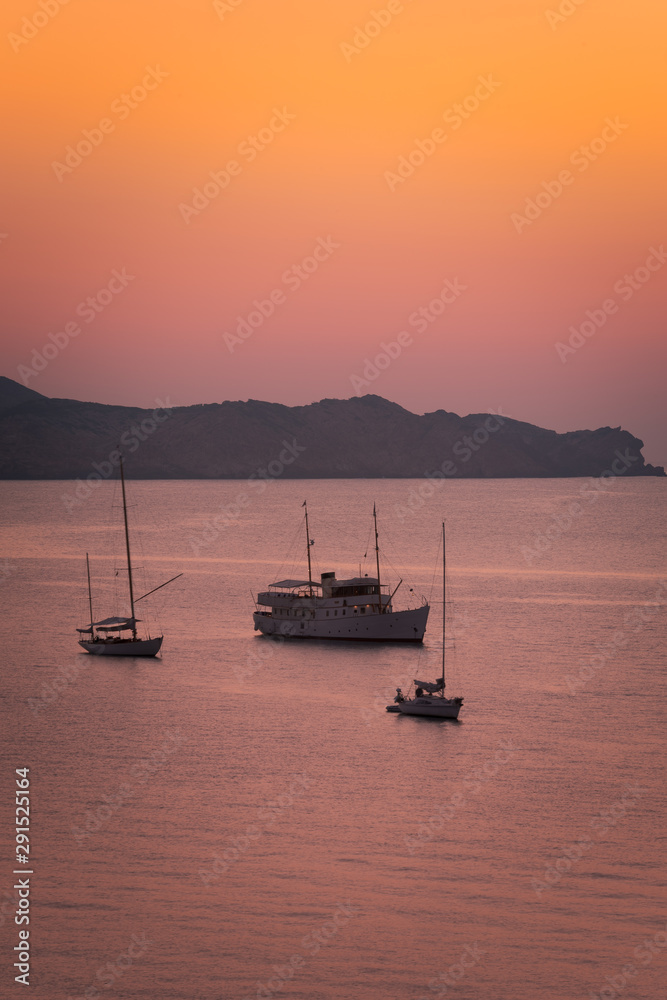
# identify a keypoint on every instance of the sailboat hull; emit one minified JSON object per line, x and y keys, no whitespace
{"x":432,"y":708}
{"x":394,"y":626}
{"x":124,"y":647}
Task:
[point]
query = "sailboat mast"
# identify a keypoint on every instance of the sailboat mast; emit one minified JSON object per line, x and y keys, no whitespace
{"x":127,"y":547}
{"x":377,"y":559}
{"x":444,"y":604}
{"x":310,"y":568}
{"x":90,"y":597}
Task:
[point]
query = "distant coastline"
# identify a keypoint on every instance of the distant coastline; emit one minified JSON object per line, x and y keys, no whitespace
{"x":364,"y":437}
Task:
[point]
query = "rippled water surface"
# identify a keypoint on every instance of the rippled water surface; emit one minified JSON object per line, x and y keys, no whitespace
{"x":240,"y":818}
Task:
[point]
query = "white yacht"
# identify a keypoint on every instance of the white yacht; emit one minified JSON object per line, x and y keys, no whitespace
{"x":358,"y":609}
{"x":429,"y":699}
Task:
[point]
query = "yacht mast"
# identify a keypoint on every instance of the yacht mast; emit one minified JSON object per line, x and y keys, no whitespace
{"x":90,"y":598}
{"x":310,"y":570}
{"x":377,"y":559}
{"x":444,"y":606}
{"x":127,"y":547}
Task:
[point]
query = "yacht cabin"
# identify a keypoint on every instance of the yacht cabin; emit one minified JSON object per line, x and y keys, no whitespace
{"x":331,"y":598}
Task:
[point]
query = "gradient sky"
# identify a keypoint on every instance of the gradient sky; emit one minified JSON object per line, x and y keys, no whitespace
{"x":219,"y":72}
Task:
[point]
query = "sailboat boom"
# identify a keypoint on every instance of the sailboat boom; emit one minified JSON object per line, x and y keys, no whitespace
{"x":157,"y":588}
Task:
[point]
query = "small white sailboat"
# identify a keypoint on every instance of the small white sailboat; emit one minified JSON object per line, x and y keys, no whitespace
{"x":429,"y":699}
{"x":106,"y":636}
{"x":357,"y":609}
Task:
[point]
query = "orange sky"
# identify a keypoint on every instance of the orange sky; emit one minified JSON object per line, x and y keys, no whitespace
{"x":210,"y":75}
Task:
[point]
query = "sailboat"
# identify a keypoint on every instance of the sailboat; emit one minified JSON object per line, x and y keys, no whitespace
{"x":355,"y":609}
{"x":429,"y":698}
{"x":106,"y":636}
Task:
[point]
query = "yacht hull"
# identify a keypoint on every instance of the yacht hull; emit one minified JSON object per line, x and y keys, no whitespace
{"x":432,"y":708}
{"x":126,"y":647}
{"x":394,"y":626}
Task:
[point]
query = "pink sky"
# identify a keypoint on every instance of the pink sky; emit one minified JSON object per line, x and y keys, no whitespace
{"x":480,"y":109}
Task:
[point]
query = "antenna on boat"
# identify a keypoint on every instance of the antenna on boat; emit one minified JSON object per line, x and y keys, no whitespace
{"x":377,"y":558}
{"x":90,"y":597}
{"x":310,"y":570}
{"x":127,"y":546}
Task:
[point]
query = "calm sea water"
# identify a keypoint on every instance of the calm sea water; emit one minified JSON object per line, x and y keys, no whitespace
{"x":241,"y":818}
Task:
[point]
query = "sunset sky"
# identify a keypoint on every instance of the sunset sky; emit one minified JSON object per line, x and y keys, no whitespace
{"x":366,"y":155}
